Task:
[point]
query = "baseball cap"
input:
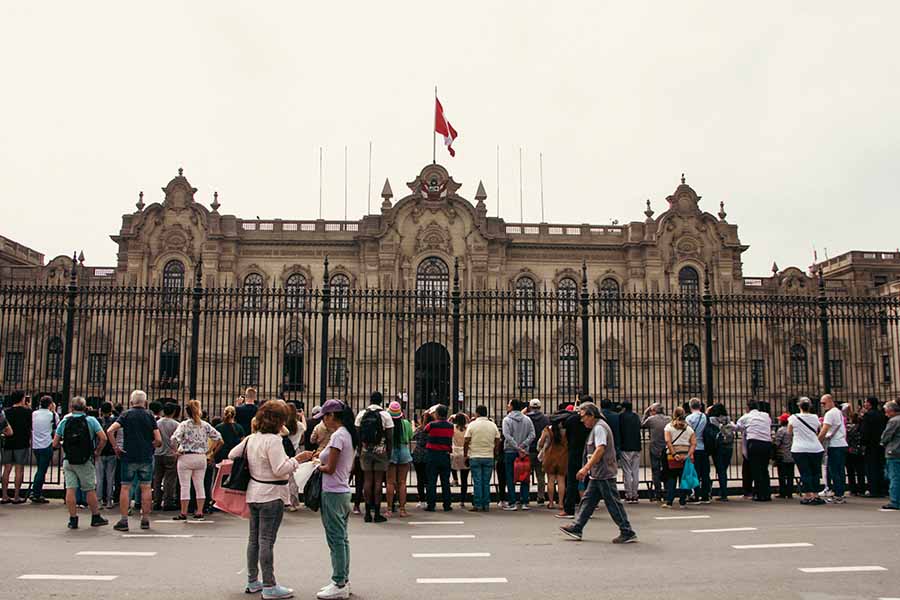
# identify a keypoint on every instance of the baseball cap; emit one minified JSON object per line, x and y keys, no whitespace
{"x":332,"y":406}
{"x":534,"y":403}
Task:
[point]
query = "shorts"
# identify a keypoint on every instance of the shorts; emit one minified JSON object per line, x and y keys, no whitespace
{"x":401,"y":456}
{"x":19,"y":456}
{"x":83,"y":477}
{"x":142,"y":471}
{"x":373,"y":461}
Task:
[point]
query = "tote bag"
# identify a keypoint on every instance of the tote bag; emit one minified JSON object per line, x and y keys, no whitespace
{"x":689,"y":479}
{"x":234,"y":502}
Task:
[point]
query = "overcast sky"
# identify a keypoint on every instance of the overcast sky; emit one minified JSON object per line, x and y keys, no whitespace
{"x":790,"y":115}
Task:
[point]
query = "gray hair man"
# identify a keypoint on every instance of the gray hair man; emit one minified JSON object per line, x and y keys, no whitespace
{"x":890,"y":439}
{"x":655,"y":421}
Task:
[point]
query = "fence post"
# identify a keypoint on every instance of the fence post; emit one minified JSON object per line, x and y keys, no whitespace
{"x":707,"y":319}
{"x":323,"y":351}
{"x":456,"y":300}
{"x":71,"y":294}
{"x":197,"y":294}
{"x":823,"y":323}
{"x":584,"y":329}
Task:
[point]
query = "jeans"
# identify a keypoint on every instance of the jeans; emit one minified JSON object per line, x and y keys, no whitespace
{"x":510,"y":460}
{"x":335,"y":512}
{"x":630,"y":462}
{"x":265,"y":519}
{"x":165,"y":480}
{"x":810,"y":466}
{"x":875,"y":469}
{"x":421,"y":479}
{"x":785,"y":478}
{"x":438,"y":465}
{"x":701,"y":463}
{"x":673,"y":478}
{"x":482,"y":468}
{"x":606,"y":490}
{"x":571,"y":500}
{"x":537,"y":470}
{"x":657,"y":469}
{"x":892,"y":472}
{"x":759,"y":452}
{"x":43,"y":457}
{"x":722,"y":460}
{"x":106,"y":478}
{"x":837,"y":459}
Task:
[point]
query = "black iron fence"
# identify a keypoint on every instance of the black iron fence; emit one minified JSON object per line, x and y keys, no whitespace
{"x":443,"y":344}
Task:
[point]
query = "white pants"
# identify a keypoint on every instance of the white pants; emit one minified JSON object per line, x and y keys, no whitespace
{"x":192,"y":467}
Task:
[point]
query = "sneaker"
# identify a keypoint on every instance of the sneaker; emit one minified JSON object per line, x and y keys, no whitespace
{"x":333,"y":591}
{"x":180,"y":517}
{"x":502,"y":504}
{"x":122,"y":525}
{"x":277,"y":591}
{"x":73,"y":523}
{"x":346,"y":585}
{"x":388,"y":514}
{"x":817,"y":502}
{"x":575,"y":535}
{"x":38,"y":500}
{"x":421,"y":505}
{"x":356,"y":510}
{"x":475,"y":509}
{"x":253,"y":587}
{"x":826,"y":493}
{"x":145,"y":523}
{"x":890,"y":507}
{"x":625,"y":539}
{"x":98,"y":521}
{"x":665,"y":505}
{"x":564,"y":516}
{"x":368,"y":517}
{"x":721,"y":499}
{"x":705,"y":501}
{"x":290,"y":508}
{"x":524,"y":507}
{"x":511,"y":507}
{"x":838,"y":500}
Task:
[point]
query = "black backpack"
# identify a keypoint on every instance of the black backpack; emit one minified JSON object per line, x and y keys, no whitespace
{"x":77,"y":441}
{"x":710,"y":436}
{"x":371,"y":428}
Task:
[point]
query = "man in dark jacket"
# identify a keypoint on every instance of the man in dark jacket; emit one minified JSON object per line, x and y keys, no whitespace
{"x":873,"y":424}
{"x":630,"y":457}
{"x":576,"y":437}
{"x":540,"y":421}
{"x":612,"y":419}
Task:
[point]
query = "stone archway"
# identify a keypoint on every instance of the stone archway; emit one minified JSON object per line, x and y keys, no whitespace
{"x":432,"y":375}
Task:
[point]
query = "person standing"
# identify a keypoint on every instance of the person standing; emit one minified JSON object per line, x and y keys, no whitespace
{"x":246,"y":410}
{"x":482,"y":439}
{"x":43,"y":424}
{"x":871,"y":428}
{"x":458,"y":463}
{"x":600,"y":473}
{"x":576,"y":437}
{"x":856,"y":466}
{"x":807,"y":451}
{"x":698,"y":422}
{"x":784,"y":460}
{"x":15,"y":452}
{"x":757,"y":428}
{"x":890,"y":439}
{"x":718,"y":418}
{"x":554,"y":454}
{"x":437,"y":458}
{"x":833,"y":436}
{"x":630,"y":459}
{"x":82,"y":439}
{"x":540,"y":421}
{"x":419,"y":454}
{"x":231,"y":433}
{"x":107,"y":461}
{"x":681,"y":443}
{"x":376,"y":438}
{"x":518,"y":433}
{"x":655,"y":421}
{"x":401,"y":458}
{"x":139,"y":437}
{"x":165,"y":475}
{"x":192,"y":442}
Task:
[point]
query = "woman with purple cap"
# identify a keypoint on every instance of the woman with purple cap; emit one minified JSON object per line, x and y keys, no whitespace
{"x":401,"y":458}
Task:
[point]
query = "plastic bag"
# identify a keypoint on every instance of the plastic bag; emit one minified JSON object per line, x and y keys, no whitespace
{"x":312,"y":491}
{"x":301,"y":475}
{"x":522,"y":469}
{"x":689,"y":479}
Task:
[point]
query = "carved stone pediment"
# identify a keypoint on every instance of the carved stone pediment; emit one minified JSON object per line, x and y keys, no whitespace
{"x":434,"y":237}
{"x":179,"y":193}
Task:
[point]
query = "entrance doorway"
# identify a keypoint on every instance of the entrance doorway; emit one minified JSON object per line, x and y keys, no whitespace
{"x":432,"y":373}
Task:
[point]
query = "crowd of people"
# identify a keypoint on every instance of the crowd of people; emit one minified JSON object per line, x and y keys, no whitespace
{"x":148,"y":458}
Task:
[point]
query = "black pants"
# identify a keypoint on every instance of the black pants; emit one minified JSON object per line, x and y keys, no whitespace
{"x":785,"y":479}
{"x":701,"y":464}
{"x":571,"y":500}
{"x":856,"y":474}
{"x":421,"y":479}
{"x":438,"y":464}
{"x":500,"y":464}
{"x":874,"y":461}
{"x":746,"y":477}
{"x":463,"y":476}
{"x":759,"y":452}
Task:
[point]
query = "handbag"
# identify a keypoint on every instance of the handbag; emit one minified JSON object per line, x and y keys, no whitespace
{"x":233,"y":502}
{"x":676,"y":461}
{"x":689,"y":479}
{"x":240,"y":476}
{"x":312,"y":491}
{"x":522,"y":469}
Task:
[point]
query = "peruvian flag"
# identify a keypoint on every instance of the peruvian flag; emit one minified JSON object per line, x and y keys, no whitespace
{"x":443,"y":126}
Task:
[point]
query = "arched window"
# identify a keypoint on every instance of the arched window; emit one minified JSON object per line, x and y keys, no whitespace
{"x":340,"y":292}
{"x":432,"y":283}
{"x":525,"y":292}
{"x":689,"y":281}
{"x":799,"y":372}
{"x":54,"y":358}
{"x":567,"y":295}
{"x":690,"y":368}
{"x":253,"y":285}
{"x":295,"y":291}
{"x":568,"y":368}
{"x":169,"y":365}
{"x":293,"y":366}
{"x":173,"y":283}
{"x":609,"y":294}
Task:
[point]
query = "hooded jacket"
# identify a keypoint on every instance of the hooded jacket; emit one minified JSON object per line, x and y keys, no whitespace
{"x":518,"y":432}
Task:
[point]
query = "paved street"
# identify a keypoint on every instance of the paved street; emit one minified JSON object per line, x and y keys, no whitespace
{"x":523,"y":553}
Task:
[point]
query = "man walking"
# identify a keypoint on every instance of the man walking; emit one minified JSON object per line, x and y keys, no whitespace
{"x":540,"y":421}
{"x":82,"y":439}
{"x":518,"y":433}
{"x":833,"y":436}
{"x":15,"y":447}
{"x":890,"y":439}
{"x":165,"y":475}
{"x":482,"y":441}
{"x":698,"y":422}
{"x":630,"y":459}
{"x":600,"y":474}
{"x":140,"y":436}
{"x":655,"y":421}
{"x":873,"y":424}
{"x":43,"y":425}
{"x":576,"y":436}
{"x":376,"y":429}
{"x":439,"y":435}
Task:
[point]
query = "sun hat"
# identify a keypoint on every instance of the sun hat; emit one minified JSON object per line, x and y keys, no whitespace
{"x":394,"y":410}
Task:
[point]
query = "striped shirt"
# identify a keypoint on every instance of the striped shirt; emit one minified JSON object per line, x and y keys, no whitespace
{"x":440,"y":436}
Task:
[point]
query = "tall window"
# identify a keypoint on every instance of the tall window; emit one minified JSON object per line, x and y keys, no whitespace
{"x":525,"y":374}
{"x":799,"y":373}
{"x":173,"y":282}
{"x":253,"y":285}
{"x":97,"y":369}
{"x":432,"y":282}
{"x":689,"y":281}
{"x":293,"y":366}
{"x":54,"y":358}
{"x":837,"y":373}
{"x":340,"y":292}
{"x":568,"y":367}
{"x":611,"y":373}
{"x":690,"y":368}
{"x":886,"y":373}
{"x":337,"y":372}
{"x":14,"y":367}
{"x":249,"y":371}
{"x":525,"y":291}
{"x":295,"y":291}
{"x":609,"y":294}
{"x":757,"y":374}
{"x":567,"y":295}
{"x":169,"y":364}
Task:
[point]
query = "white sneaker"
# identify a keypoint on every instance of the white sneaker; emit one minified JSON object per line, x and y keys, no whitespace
{"x":421,"y":505}
{"x":826,"y":493}
{"x":333,"y":591}
{"x":524,"y":507}
{"x":330,"y":583}
{"x":503,"y":504}
{"x":511,"y":507}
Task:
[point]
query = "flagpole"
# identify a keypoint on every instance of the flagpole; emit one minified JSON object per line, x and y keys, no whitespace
{"x":369,"y":193}
{"x":521,"y":194}
{"x":320,"y":182}
{"x":345,"y":183}
{"x":434,"y":131}
{"x":541,"y":155}
{"x":498,"y":180}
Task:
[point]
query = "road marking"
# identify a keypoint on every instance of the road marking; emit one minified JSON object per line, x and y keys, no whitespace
{"x":452,"y":580}
{"x":55,"y":577}
{"x":157,"y":535}
{"x":113,"y":553}
{"x":760,"y":546}
{"x":887,"y":510}
{"x":841,"y":569}
{"x":443,"y":537}
{"x":686,"y":517}
{"x":170,"y":522}
{"x":452,"y":555}
{"x":726,"y":530}
{"x":436,"y":522}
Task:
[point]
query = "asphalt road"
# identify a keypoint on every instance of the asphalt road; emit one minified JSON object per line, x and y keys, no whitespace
{"x":525,"y":549}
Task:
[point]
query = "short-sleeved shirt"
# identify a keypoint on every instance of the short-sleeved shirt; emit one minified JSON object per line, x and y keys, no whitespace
{"x":339,"y":481}
{"x":167,"y":427}
{"x":837,"y":431}
{"x":602,"y":435}
{"x":244,"y":414}
{"x":386,"y":421}
{"x":137,"y":426}
{"x":193,"y":438}
{"x":482,"y":434}
{"x":440,"y":436}
{"x":43,"y":424}
{"x":92,"y":423}
{"x":806,"y":433}
{"x":681,"y":438}
{"x":698,"y":422}
{"x":231,"y":433}
{"x":657,"y":426}
{"x":19,"y":418}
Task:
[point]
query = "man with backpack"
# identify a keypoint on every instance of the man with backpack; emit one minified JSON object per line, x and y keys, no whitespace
{"x":375,"y":427}
{"x":699,"y":423}
{"x":82,"y":438}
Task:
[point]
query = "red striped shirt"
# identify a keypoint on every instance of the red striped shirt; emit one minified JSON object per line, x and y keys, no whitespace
{"x":440,"y":436}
